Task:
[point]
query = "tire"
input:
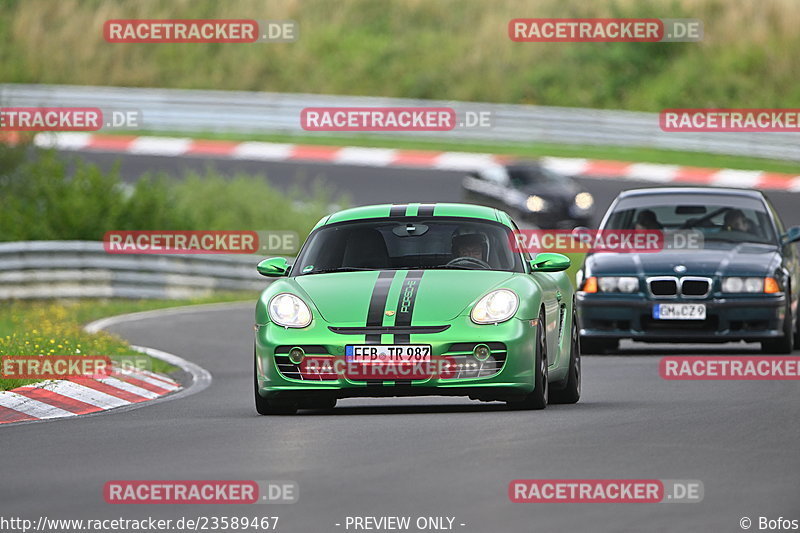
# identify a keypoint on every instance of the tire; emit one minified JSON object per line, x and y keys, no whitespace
{"x":784,"y":344}
{"x":797,"y":330}
{"x":597,"y":346}
{"x":571,"y":392}
{"x":537,"y":399}
{"x":264,"y":406}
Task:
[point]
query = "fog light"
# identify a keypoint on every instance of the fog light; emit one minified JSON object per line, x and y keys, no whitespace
{"x":481,"y":352}
{"x":296,"y":355}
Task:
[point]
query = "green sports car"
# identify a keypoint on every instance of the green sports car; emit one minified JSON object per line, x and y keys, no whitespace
{"x":413,"y":300}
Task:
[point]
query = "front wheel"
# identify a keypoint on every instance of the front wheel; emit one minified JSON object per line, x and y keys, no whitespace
{"x":571,"y":392}
{"x":537,"y":399}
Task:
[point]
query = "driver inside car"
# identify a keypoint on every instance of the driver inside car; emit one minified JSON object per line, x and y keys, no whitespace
{"x":735,"y":220}
{"x":474,"y":245}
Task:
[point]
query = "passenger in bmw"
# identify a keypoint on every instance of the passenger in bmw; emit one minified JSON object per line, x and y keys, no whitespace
{"x":647,"y":220}
{"x":735,"y":220}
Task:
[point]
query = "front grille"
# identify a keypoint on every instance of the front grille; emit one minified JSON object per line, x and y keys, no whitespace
{"x":663,"y":286}
{"x":463,"y":364}
{"x":467,"y":367}
{"x":387,"y":330}
{"x":672,"y":287}
{"x":695,"y":287}
{"x":293,"y":371}
{"x":749,"y":325}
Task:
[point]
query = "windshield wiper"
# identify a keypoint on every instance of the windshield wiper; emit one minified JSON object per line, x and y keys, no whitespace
{"x":338,"y":269}
{"x":738,"y":241}
{"x":457,"y":267}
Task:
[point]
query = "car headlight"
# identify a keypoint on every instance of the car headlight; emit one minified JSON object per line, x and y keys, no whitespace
{"x":626,"y":284}
{"x":750,"y":285}
{"x":584,"y":200}
{"x":289,"y":311}
{"x":536,"y":203}
{"x":497,"y":306}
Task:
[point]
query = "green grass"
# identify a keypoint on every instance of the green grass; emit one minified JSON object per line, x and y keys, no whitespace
{"x":46,"y":196}
{"x":56,"y":328}
{"x":534,"y":150}
{"x":443,"y":49}
{"x":576,"y":262}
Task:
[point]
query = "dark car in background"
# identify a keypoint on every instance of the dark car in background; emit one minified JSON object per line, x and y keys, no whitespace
{"x":532,"y":194}
{"x":740,"y":284}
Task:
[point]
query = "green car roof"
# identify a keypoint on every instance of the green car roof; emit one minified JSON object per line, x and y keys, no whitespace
{"x":416,"y":209}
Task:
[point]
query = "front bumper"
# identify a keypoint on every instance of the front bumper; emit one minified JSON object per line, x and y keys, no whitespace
{"x":514,"y":340}
{"x":727,"y":319}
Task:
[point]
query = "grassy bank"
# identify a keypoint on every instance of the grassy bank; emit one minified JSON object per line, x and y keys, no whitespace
{"x":451,"y":49}
{"x":45,"y":197}
{"x":56,"y":328}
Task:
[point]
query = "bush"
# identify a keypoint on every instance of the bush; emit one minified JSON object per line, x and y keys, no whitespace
{"x":44,"y":197}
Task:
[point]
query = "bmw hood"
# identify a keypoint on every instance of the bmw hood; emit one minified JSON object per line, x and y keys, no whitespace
{"x":745,"y":259}
{"x":434,"y":296}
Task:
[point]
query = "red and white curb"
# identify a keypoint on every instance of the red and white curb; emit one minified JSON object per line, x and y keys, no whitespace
{"x":80,"y":396}
{"x":121,"y":391}
{"x":387,"y":157}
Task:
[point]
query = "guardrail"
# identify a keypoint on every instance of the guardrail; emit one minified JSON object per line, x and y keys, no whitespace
{"x":83,"y":269}
{"x":194,"y":111}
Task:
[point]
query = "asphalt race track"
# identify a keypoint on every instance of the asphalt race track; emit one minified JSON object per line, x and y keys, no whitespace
{"x":369,"y":185}
{"x":420,"y":456}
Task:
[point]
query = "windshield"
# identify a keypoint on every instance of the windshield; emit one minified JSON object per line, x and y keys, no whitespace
{"x":532,"y":175}
{"x":410,"y":243}
{"x":744,"y":222}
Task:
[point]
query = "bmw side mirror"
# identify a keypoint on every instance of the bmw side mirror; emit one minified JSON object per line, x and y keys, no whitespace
{"x":791,"y":235}
{"x":274,"y":267}
{"x":550,"y":262}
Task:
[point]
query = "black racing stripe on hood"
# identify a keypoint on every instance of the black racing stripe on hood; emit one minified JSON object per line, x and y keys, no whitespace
{"x":398,"y":210}
{"x":426,"y":210}
{"x":377,"y":303}
{"x":405,"y":304}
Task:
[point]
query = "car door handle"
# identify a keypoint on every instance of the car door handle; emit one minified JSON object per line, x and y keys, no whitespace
{"x":558,"y":295}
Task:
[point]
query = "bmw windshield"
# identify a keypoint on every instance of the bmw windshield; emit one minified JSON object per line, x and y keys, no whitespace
{"x":719,"y":220}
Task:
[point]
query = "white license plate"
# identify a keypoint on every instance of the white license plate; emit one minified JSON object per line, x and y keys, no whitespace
{"x":387,"y":353}
{"x":679,"y":311}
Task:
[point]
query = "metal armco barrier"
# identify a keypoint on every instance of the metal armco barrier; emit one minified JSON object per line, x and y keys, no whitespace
{"x":194,"y":111}
{"x":83,"y":269}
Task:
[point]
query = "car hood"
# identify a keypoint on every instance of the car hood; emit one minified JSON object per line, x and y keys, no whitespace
{"x":343,"y":298}
{"x":744,"y":259}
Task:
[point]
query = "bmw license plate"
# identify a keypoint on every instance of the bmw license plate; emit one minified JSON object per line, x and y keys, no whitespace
{"x":387,"y":353}
{"x":679,"y":311}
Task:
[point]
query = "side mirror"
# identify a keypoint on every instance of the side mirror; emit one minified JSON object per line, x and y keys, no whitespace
{"x":791,"y":235}
{"x":274,"y":267}
{"x":550,"y":262}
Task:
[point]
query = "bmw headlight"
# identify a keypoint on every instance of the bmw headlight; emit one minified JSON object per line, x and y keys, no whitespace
{"x":584,"y":200}
{"x":750,"y":285}
{"x":497,"y":306}
{"x":627,"y":284}
{"x":289,"y":311}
